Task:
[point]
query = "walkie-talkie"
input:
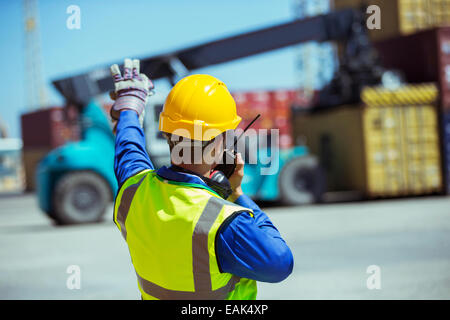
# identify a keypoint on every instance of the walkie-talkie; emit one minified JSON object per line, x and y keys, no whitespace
{"x":228,"y":165}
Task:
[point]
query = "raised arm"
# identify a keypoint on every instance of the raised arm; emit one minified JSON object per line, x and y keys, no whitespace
{"x":130,"y":155}
{"x":130,"y":95}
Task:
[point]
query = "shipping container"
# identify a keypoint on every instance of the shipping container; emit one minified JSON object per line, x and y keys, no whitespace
{"x":259,"y":102}
{"x":401,"y":17}
{"x":388,"y":146}
{"x":49,"y":128}
{"x":275,"y":109}
{"x":446,"y":149}
{"x":31,"y":158}
{"x":282,"y":101}
{"x":421,"y":57}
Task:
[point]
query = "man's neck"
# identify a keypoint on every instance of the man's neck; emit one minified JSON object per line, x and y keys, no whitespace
{"x":201,"y":169}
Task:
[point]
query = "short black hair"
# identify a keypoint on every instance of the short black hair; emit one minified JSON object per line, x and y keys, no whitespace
{"x":173,"y":140}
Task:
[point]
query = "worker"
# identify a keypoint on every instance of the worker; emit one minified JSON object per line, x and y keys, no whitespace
{"x":187,"y":238}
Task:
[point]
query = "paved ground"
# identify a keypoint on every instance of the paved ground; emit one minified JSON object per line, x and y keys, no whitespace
{"x":409,"y":240}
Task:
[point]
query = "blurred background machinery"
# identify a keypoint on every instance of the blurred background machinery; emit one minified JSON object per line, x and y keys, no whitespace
{"x":44,"y":130}
{"x":315,"y":61}
{"x":76,"y":181}
{"x":375,"y":120}
{"x":298,"y":180}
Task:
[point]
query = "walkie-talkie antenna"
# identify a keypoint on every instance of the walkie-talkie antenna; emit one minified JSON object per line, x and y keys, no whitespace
{"x":246,"y":128}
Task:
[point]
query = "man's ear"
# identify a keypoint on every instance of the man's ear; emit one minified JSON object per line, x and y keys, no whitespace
{"x":168,"y":138}
{"x":218,"y":148}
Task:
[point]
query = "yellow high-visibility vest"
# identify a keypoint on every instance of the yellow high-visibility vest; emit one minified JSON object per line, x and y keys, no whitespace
{"x":171,"y":228}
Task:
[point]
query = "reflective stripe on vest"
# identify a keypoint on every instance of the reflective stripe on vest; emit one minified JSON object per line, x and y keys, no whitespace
{"x":125,"y":204}
{"x":165,"y":294}
{"x":200,"y":252}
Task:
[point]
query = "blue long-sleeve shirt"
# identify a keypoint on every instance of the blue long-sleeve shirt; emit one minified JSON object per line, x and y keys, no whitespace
{"x":249,"y":247}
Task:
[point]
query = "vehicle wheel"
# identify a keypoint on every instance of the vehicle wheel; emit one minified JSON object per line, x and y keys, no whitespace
{"x":301,"y":181}
{"x":80,"y":197}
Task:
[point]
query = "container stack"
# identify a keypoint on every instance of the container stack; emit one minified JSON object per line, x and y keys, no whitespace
{"x":402,"y":17}
{"x":413,"y":38}
{"x":388,"y":146}
{"x":427,"y":59}
{"x":421,"y":57}
{"x":281,"y":115}
{"x":275,"y":109}
{"x":249,"y":104}
{"x":42,"y":131}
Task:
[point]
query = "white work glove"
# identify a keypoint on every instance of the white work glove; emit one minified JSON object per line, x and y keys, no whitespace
{"x":131,"y":90}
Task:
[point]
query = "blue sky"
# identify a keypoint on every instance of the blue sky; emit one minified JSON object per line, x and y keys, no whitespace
{"x":112,"y":30}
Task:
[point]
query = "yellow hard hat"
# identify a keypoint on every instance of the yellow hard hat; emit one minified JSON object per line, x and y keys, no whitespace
{"x":198,"y":103}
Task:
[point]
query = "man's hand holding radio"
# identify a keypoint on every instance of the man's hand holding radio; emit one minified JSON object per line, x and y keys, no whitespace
{"x":236,"y":177}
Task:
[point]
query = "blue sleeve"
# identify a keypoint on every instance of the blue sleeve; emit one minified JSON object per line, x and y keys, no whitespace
{"x":251,"y":247}
{"x":130,"y":156}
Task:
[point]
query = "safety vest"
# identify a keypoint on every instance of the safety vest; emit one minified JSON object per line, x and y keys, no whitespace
{"x":171,"y":228}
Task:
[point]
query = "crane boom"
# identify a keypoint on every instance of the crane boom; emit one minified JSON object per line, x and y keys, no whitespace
{"x":336,"y":25}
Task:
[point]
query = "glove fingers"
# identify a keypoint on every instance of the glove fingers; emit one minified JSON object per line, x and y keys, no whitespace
{"x":136,"y":67}
{"x":128,"y":65}
{"x":148,"y":82}
{"x":144,"y":79}
{"x":115,"y":72}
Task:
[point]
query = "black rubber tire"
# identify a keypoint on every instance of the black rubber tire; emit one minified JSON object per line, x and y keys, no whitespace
{"x":80,"y":197}
{"x":301,"y":181}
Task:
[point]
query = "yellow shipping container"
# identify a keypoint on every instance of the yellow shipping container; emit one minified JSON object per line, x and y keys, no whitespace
{"x":380,"y":150}
{"x":399,"y":17}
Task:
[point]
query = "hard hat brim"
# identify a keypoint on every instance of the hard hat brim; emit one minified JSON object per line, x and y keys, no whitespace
{"x":197,"y":130}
